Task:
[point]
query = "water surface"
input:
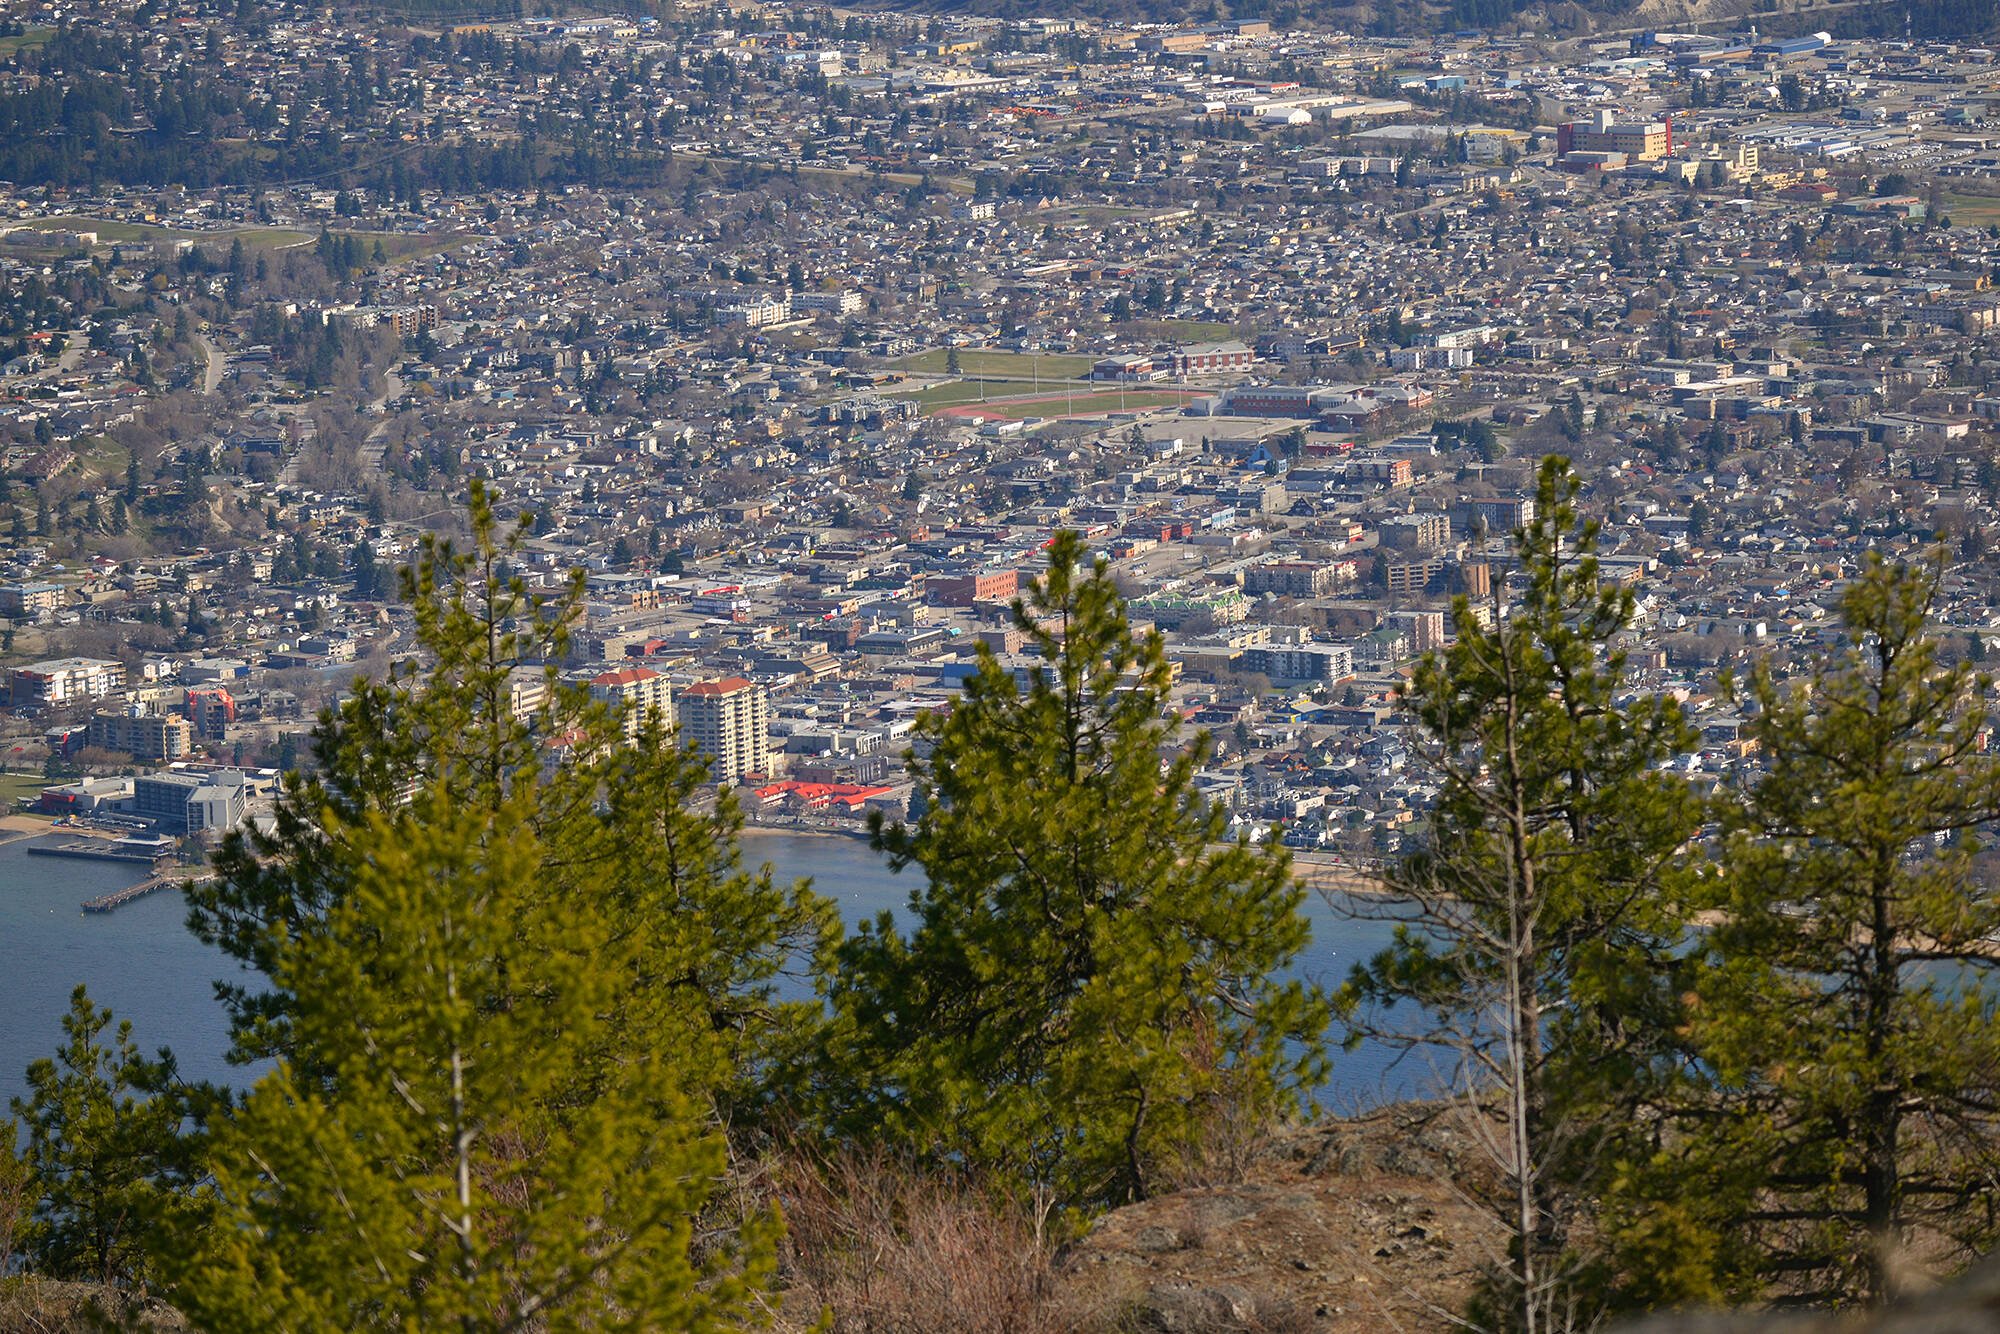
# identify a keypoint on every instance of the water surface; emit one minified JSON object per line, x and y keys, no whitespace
{"x":141,"y":962}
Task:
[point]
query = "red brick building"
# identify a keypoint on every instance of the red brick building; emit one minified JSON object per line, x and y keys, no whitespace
{"x":1211,"y":359}
{"x":964,"y":590}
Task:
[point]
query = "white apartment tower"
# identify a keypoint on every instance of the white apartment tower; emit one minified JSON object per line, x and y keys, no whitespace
{"x":729,"y":723}
{"x":638,"y":691}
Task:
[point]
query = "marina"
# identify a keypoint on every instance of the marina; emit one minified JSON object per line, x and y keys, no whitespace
{"x":144,"y":851}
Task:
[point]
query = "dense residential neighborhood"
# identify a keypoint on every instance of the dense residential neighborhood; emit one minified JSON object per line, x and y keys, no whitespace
{"x":801,"y":334}
{"x":1257,"y":666}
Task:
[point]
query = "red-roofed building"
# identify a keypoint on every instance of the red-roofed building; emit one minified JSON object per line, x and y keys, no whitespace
{"x":637,"y":691}
{"x":840,"y":798}
{"x":211,"y":711}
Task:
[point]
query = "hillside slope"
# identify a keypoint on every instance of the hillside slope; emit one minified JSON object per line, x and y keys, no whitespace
{"x":1344,"y":1227}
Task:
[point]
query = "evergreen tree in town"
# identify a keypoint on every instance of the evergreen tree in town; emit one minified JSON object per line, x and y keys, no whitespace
{"x":486,"y":722}
{"x":1087,"y":987}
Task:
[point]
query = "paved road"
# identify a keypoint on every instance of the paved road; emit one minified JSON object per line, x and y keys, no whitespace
{"x":74,"y":347}
{"x":377,"y":443}
{"x":211,"y":379}
{"x":374,"y":447}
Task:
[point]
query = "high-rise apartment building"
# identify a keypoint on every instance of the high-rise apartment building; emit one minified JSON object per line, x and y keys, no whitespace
{"x":729,"y":723}
{"x":642,"y":689}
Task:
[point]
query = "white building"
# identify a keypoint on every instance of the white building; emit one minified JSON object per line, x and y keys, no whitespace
{"x":752,"y":314}
{"x":636,"y":692}
{"x":65,"y":680}
{"x":825,"y":303}
{"x":729,"y":723}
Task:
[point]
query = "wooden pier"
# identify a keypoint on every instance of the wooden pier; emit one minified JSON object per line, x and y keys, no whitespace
{"x":118,"y":898}
{"x":152,"y":884}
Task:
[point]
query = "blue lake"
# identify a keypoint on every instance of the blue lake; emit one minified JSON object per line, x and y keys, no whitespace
{"x":141,"y":962}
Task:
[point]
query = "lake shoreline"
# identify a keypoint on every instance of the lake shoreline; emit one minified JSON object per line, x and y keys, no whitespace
{"x":1315,"y":871}
{"x":142,"y":962}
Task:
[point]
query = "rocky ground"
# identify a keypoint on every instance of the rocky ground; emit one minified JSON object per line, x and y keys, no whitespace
{"x":1359,"y":1225}
{"x":37,"y":1306}
{"x":1353,"y":1226}
{"x":1364,"y":1225}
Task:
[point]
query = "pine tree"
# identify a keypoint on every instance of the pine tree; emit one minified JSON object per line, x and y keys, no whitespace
{"x":1572,"y":417}
{"x":615,"y":822}
{"x":449,"y":1164}
{"x":1847,"y":1004}
{"x":367,"y":571}
{"x":1538,"y":914}
{"x":1089,"y":981}
{"x":103,"y":1155}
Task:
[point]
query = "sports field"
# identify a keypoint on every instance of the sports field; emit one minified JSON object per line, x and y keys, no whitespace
{"x":987,"y":361}
{"x":1078,"y":405}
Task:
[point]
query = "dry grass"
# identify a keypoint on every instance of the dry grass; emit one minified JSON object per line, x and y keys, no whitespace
{"x":883,"y":1247}
{"x":43,"y":1306}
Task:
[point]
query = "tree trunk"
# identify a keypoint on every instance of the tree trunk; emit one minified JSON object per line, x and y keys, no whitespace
{"x":1881,"y":1169}
{"x":1524,"y":1017}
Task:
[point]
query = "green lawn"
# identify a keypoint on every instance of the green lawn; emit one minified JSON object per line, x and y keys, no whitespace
{"x":1015,"y":365}
{"x":961,"y":391}
{"x":1133,"y":400}
{"x":1186,"y":331}
{"x":404,"y":245}
{"x":395,"y":245}
{"x":275,"y":237}
{"x":1094,"y":214}
{"x":106,"y":231}
{"x":13,"y":787}
{"x":1972,"y":210}
{"x":105,"y":456}
{"x":114,"y":232}
{"x":32,"y":37}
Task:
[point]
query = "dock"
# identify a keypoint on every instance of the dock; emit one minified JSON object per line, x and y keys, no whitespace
{"x":100,"y":850}
{"x":151,"y":885}
{"x":118,"y":898}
